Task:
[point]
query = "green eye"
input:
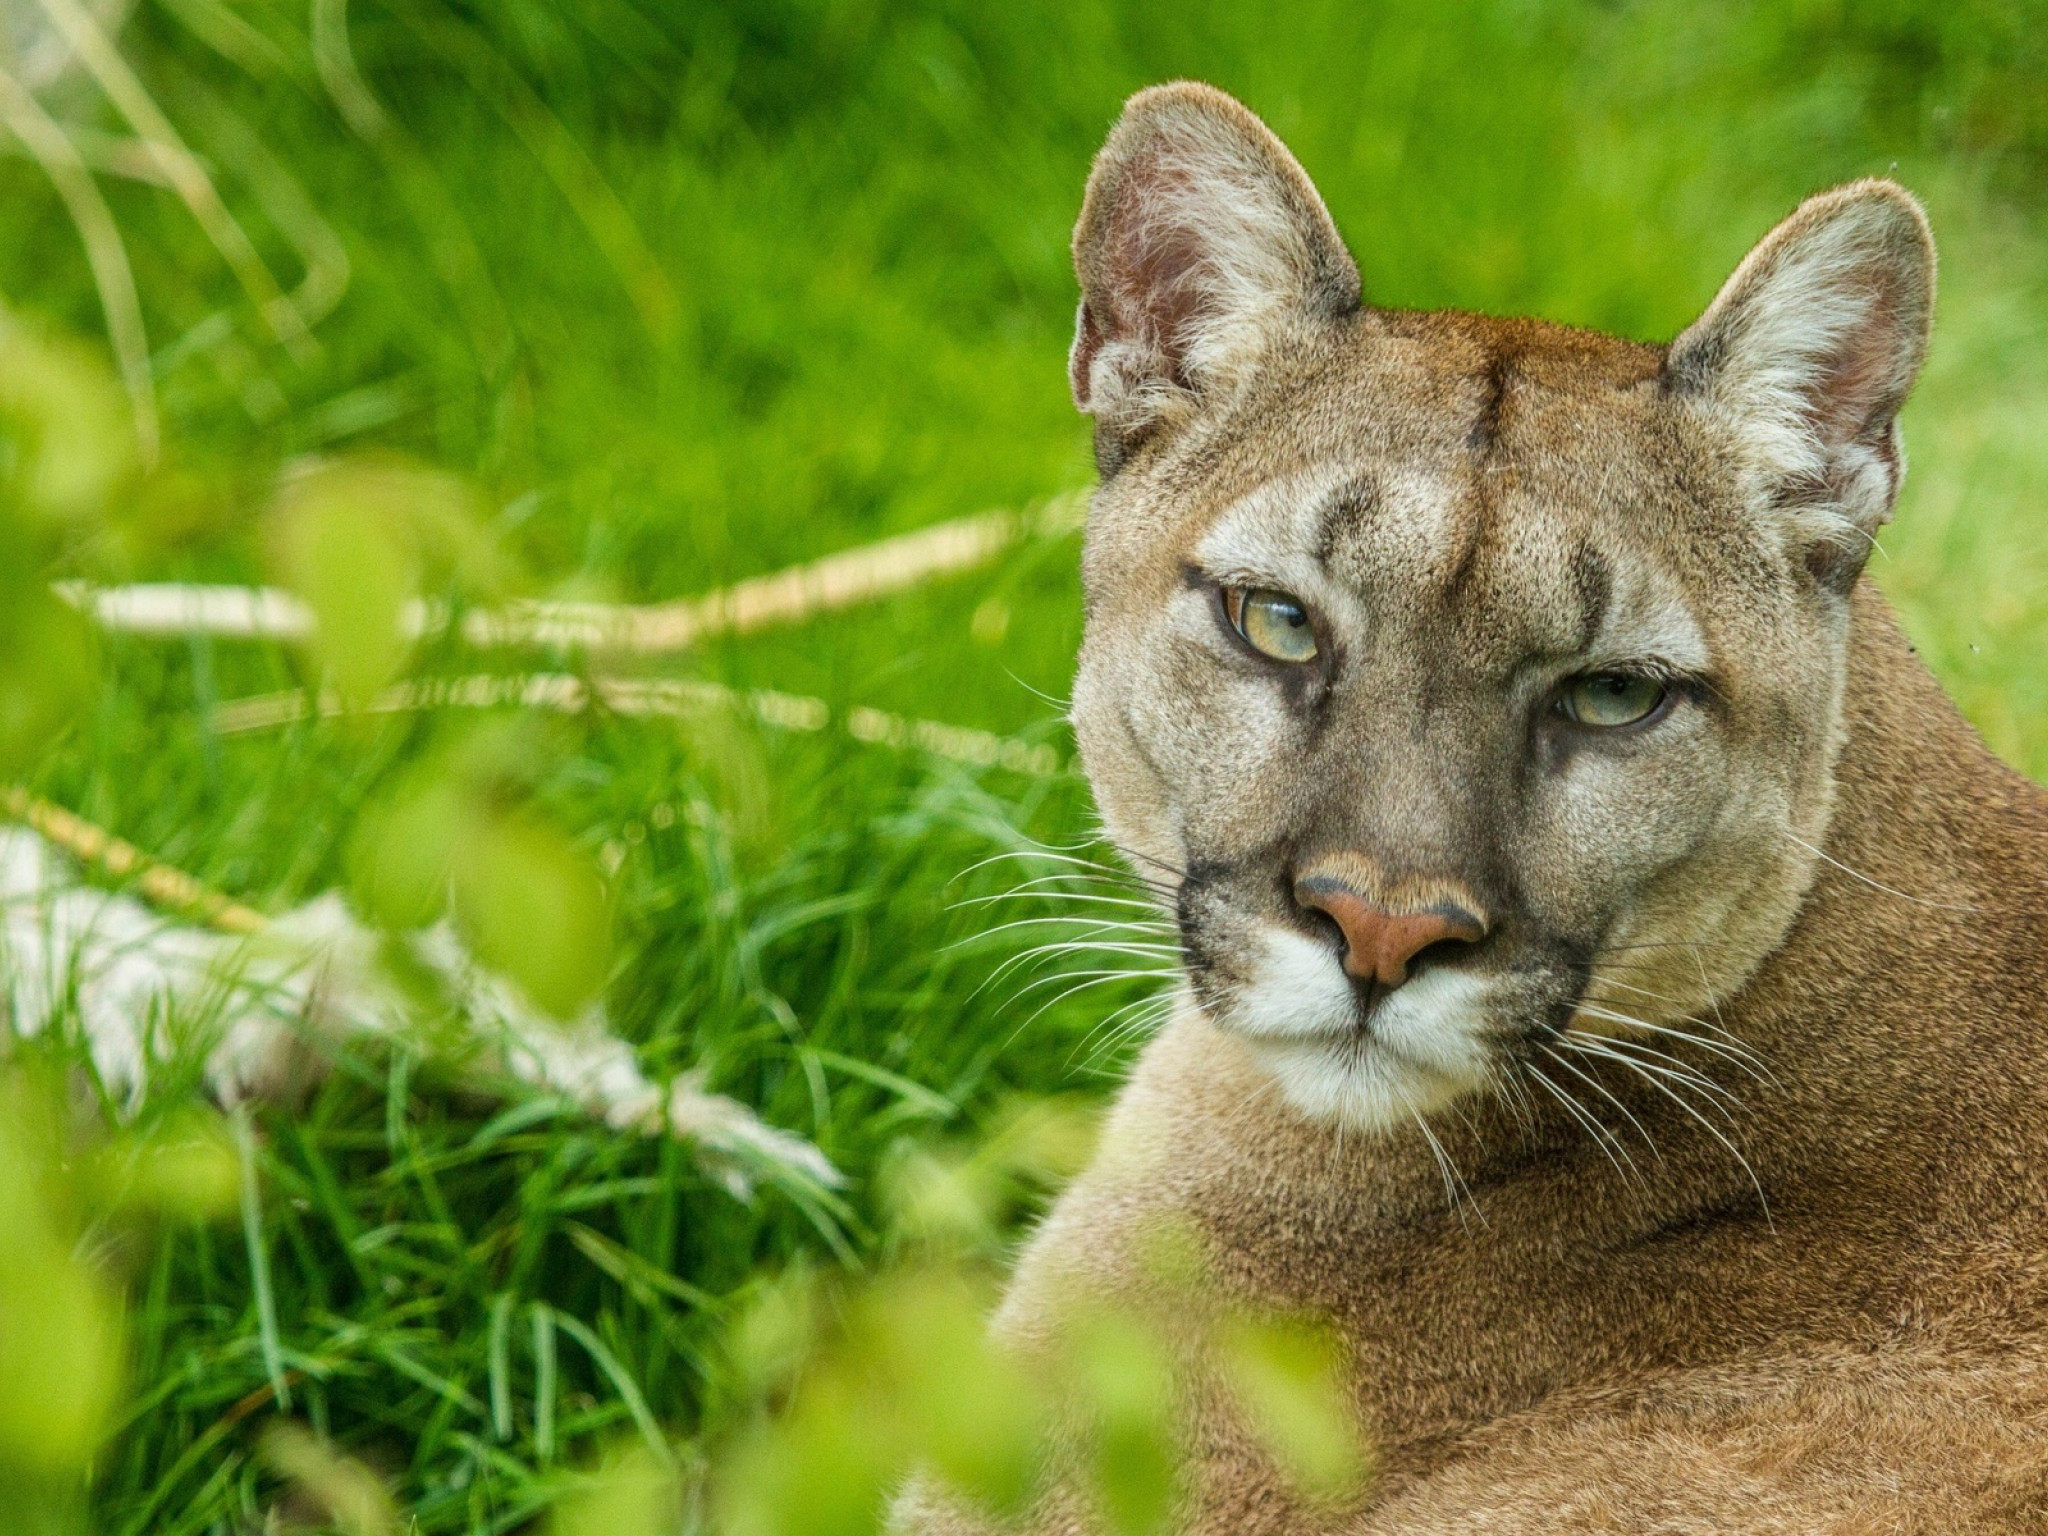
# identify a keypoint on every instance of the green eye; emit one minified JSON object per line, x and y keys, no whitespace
{"x":1611,"y":698}
{"x":1272,"y":623}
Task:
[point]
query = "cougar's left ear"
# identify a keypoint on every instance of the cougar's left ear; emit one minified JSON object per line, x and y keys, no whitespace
{"x":1200,"y":239}
{"x":1808,"y":353}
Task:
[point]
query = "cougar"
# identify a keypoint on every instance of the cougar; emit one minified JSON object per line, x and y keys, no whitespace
{"x":1610,"y":970}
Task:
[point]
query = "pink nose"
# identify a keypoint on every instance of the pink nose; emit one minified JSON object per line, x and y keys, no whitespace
{"x":1378,"y":944}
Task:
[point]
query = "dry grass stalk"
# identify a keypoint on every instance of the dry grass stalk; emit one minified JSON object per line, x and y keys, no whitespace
{"x":788,"y":596}
{"x":670,"y":697}
{"x":159,"y":883}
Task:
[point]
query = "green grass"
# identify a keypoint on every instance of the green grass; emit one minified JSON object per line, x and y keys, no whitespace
{"x":839,"y":309}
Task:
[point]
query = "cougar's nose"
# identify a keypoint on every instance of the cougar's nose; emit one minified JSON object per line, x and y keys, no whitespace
{"x":1379,"y":943}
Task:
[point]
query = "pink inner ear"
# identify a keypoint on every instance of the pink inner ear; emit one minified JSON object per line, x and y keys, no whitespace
{"x":1859,"y":384}
{"x":1159,"y":272}
{"x":1081,"y":360}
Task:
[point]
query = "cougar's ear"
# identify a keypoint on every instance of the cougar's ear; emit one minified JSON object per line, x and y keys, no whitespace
{"x":1808,"y":353}
{"x":1200,"y":239}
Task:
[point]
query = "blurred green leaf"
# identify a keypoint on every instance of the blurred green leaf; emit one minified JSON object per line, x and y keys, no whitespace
{"x":50,"y":674}
{"x":964,"y":1196}
{"x":632,"y":1493}
{"x":65,"y":439}
{"x":533,"y":908}
{"x":823,"y":1469}
{"x":1289,"y":1375}
{"x":948,"y":1197}
{"x":1124,"y":1376}
{"x":459,"y":833}
{"x":970,"y":1411}
{"x":60,"y":1323}
{"x":60,"y":1351}
{"x":769,"y":1342}
{"x":402,"y":855}
{"x":339,"y":539}
{"x":184,"y":1168}
{"x":349,"y":1494}
{"x":359,"y":539}
{"x":1046,"y":1141}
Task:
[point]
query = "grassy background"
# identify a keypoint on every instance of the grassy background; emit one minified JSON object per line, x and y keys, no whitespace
{"x":691,"y":292}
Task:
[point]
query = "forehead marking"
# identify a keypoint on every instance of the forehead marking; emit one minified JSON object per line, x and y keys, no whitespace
{"x":1593,"y":584}
{"x":1486,"y":427}
{"x":1427,"y":526}
{"x":1347,"y":512}
{"x":1647,"y":615}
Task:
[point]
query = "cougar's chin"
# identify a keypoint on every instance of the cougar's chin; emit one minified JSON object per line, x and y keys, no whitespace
{"x":1420,"y":1046}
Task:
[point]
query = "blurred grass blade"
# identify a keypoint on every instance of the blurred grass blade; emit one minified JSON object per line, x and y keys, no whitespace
{"x":500,"y":1357}
{"x":636,"y":1493}
{"x":60,"y":1324}
{"x":104,"y":250}
{"x":187,"y":176}
{"x":321,"y":253}
{"x":622,"y":1382}
{"x":259,"y":1262}
{"x":451,"y":245}
{"x":566,"y":162}
{"x":1288,"y":1375}
{"x":336,"y":63}
{"x":544,"y":1380}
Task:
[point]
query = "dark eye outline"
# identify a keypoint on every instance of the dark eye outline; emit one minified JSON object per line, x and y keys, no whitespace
{"x":1669,"y":691}
{"x":1232,"y":601}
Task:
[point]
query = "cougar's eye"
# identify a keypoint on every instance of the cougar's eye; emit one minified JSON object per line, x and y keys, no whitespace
{"x":1611,"y":698}
{"x":1272,"y":623}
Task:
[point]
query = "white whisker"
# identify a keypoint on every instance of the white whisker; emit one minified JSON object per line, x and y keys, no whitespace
{"x":1601,"y":1088}
{"x":1705,"y":1124}
{"x":1601,"y":1135}
{"x":1879,"y":885}
{"x":1723,"y":1100}
{"x":1454,"y":1181}
{"x":1736,"y":1053}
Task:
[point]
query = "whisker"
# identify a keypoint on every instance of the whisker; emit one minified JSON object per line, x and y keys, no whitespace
{"x":1601,"y":1088}
{"x":1723,"y":1101}
{"x":1092,"y":867}
{"x":1515,"y":1094}
{"x":1083,"y":979}
{"x":1601,"y":1135}
{"x":1135,"y":857}
{"x":1026,"y":893}
{"x":1709,"y":1127}
{"x":1734,"y":1041}
{"x":1017,"y":962}
{"x":1081,"y":872}
{"x":1735,"y":1053}
{"x":1148,"y":952}
{"x":1091,"y":926}
{"x":1713,"y":1002}
{"x":1099,"y":979}
{"x":1692,"y":944}
{"x":1878,"y":885}
{"x":1131,"y":1020}
{"x":1158,"y":963}
{"x":1454,"y":1181}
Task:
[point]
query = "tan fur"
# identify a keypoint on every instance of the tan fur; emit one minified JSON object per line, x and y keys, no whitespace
{"x":1825,"y":1309}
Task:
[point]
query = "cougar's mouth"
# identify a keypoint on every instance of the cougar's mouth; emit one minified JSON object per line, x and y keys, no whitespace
{"x":1361,"y":1054}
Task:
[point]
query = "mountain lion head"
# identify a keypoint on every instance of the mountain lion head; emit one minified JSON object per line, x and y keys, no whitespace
{"x":1461,"y":681}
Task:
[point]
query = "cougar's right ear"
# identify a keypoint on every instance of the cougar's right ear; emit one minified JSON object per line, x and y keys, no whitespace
{"x":1200,"y":239}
